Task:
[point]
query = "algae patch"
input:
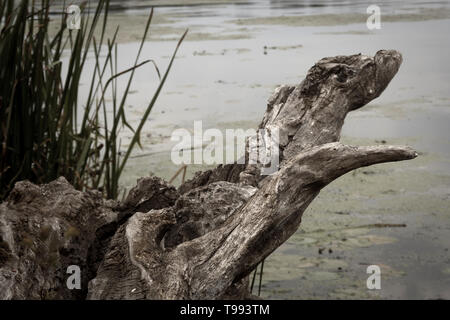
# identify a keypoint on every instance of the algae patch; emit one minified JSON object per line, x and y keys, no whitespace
{"x":318,"y":20}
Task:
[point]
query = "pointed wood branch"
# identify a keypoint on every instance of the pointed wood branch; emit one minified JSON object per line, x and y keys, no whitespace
{"x":274,"y":213}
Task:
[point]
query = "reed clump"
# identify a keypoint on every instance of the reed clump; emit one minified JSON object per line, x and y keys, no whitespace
{"x":46,"y":129}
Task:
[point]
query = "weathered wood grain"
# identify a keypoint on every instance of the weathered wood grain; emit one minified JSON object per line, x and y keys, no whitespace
{"x":202,"y":240}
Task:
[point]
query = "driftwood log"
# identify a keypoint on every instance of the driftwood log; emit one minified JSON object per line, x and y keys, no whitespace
{"x":202,"y":240}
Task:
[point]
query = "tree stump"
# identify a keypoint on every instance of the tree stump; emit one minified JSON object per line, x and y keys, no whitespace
{"x":202,"y":240}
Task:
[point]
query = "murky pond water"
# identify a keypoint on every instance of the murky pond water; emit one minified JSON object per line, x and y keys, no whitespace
{"x":395,"y":215}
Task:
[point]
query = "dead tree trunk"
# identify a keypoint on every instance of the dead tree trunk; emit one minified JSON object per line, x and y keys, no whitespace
{"x":202,"y":241}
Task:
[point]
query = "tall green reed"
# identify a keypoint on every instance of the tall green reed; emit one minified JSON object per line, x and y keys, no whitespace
{"x":261,"y":272}
{"x":42,"y":135}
